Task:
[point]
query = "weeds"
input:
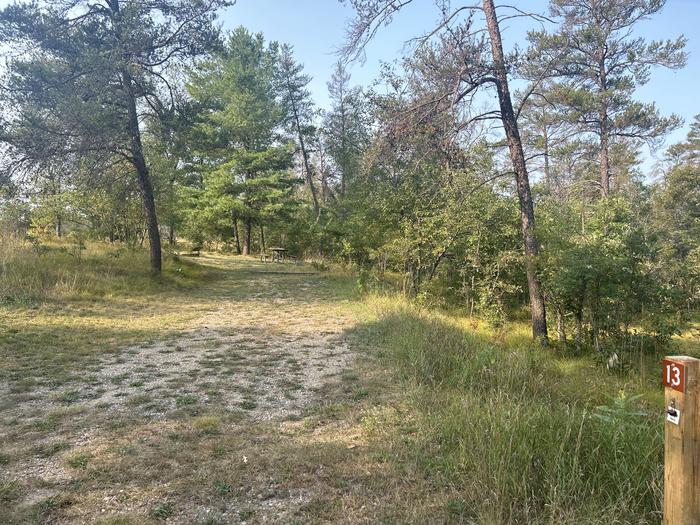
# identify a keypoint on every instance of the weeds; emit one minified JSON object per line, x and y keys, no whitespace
{"x":163,"y":510}
{"x":79,"y":460}
{"x":523,"y":440}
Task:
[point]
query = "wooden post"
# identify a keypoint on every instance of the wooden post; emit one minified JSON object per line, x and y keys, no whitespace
{"x":681,"y":376}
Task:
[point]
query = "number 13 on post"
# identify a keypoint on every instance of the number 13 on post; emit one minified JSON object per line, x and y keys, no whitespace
{"x":674,"y":375}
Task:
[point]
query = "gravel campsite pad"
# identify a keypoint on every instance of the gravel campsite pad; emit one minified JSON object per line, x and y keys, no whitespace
{"x":230,"y":417}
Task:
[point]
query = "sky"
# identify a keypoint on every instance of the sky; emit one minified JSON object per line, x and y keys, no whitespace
{"x":316,"y":29}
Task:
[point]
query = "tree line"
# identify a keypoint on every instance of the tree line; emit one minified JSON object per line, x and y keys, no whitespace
{"x":128,"y":121}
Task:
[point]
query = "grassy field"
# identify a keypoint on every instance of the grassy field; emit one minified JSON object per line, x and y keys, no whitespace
{"x":231,"y":391}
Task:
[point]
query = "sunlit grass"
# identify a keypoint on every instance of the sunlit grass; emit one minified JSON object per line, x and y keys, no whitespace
{"x":511,"y":430}
{"x":688,"y":342}
{"x":445,"y":418}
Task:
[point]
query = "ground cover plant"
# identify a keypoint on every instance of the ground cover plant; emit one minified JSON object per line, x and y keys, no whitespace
{"x":284,"y":394}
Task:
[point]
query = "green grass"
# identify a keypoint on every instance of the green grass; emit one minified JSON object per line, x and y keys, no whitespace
{"x":442,"y":420}
{"x":79,"y":460}
{"x":513,"y":429}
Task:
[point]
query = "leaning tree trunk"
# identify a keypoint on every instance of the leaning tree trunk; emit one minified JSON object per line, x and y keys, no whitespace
{"x":527,"y":213}
{"x":304,"y":153}
{"x":139,"y":162}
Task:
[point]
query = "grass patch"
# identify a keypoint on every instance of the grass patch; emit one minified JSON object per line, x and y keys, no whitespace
{"x":60,"y":342}
{"x":186,"y":400}
{"x":449,"y":423}
{"x":163,"y":510}
{"x":79,"y":460}
{"x":515,"y":427}
{"x":67,"y":396}
{"x":140,"y":399}
{"x":248,"y":404}
{"x":9,"y":491}
{"x":222,"y":488}
{"x":207,"y":424}
{"x":49,"y":450}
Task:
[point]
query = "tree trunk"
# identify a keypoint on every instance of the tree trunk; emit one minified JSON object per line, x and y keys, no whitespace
{"x":262,"y":239}
{"x":149,"y":206}
{"x":604,"y":157}
{"x":527,"y":213}
{"x":325,"y":190}
{"x":343,"y":145}
{"x":304,"y":154}
{"x":236,"y":236}
{"x":595,"y":337}
{"x":247,"y":236}
{"x":547,"y":176}
{"x":139,"y":162}
{"x":604,"y":154}
{"x":59,"y":226}
{"x":579,"y":329}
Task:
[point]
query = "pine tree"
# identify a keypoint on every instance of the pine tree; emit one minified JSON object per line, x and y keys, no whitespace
{"x":243,"y":159}
{"x":84,"y":75}
{"x":598,"y":65}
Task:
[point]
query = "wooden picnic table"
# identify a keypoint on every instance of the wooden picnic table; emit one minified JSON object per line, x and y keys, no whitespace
{"x":278,"y":254}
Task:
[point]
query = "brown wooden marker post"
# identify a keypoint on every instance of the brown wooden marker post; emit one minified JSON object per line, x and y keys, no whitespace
{"x":681,"y":379}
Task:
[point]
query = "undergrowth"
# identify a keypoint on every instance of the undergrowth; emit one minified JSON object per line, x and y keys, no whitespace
{"x":515,"y":433}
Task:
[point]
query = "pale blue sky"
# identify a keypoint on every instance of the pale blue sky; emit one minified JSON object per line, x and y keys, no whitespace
{"x":317,"y":27}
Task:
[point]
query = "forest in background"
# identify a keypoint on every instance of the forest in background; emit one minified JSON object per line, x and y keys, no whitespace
{"x":142,"y":124}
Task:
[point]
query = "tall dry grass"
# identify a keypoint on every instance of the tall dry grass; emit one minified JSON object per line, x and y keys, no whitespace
{"x":35,"y":273}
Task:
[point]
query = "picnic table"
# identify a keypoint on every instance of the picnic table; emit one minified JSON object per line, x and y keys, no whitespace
{"x":278,"y":254}
{"x":275,"y":255}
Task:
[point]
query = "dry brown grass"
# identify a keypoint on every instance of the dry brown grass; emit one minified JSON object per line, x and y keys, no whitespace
{"x":237,"y":395}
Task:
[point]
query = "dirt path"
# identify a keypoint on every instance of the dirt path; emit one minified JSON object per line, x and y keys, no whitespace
{"x":239,"y":417}
{"x":268,"y":353}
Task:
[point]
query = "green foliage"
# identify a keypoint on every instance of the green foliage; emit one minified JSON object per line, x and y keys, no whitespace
{"x":621,"y":409}
{"x":81,"y":80}
{"x":243,"y":167}
{"x":402,"y":188}
{"x":600,"y":263}
{"x":597,"y":93}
